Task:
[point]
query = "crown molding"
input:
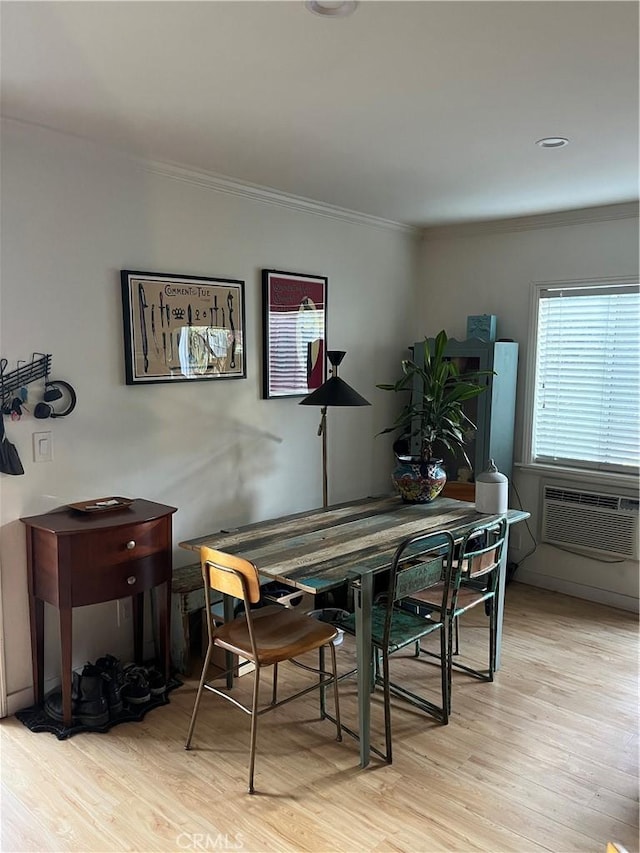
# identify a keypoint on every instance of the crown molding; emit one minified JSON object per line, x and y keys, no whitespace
{"x":223,"y":184}
{"x":579,"y":216}
{"x":267,"y":195}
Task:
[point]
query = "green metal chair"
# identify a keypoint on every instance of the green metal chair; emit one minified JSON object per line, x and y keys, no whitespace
{"x":266,"y":636}
{"x":420,"y":563}
{"x":475,"y":582}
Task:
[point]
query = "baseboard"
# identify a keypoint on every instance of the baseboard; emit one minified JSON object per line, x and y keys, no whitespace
{"x":589,"y":593}
{"x":19,"y":700}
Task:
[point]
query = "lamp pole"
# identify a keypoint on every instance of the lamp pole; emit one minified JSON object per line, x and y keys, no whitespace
{"x":322,"y":431}
{"x":333,"y":392}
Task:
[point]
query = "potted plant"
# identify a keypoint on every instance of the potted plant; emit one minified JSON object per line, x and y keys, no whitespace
{"x":435,"y":415}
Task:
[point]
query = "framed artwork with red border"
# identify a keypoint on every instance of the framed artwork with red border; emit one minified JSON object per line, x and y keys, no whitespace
{"x":294,"y":336}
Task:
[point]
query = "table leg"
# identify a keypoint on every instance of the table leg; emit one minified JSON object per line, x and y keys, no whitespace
{"x":36,"y":614}
{"x":228,"y":656}
{"x":502,"y":583}
{"x":363,"y":596}
{"x":66,"y":633}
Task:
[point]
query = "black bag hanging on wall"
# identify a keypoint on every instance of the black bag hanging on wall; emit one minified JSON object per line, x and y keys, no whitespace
{"x":9,"y":460}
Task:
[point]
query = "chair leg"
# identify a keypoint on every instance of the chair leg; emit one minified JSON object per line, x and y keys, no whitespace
{"x":334,"y":669}
{"x":203,"y":678}
{"x":274,"y":694}
{"x":323,"y":690}
{"x":493,"y":627}
{"x":449,"y":666}
{"x":444,"y":674}
{"x":457,"y":627}
{"x":254,"y":727}
{"x":387,"y":706}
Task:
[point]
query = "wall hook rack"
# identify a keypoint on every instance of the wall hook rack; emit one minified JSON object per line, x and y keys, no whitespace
{"x":26,"y":372}
{"x":37,"y":368}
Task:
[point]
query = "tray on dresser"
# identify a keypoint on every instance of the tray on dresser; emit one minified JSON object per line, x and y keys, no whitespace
{"x":102,"y":504}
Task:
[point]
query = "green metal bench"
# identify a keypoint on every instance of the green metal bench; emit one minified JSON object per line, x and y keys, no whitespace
{"x":187,"y":599}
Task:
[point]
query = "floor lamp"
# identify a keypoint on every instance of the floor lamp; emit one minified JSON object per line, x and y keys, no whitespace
{"x":334,"y":392}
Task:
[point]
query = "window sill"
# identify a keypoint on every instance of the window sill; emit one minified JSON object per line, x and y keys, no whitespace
{"x":581,"y":475}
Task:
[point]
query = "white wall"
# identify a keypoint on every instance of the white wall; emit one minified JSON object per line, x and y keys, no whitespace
{"x":73,"y":215}
{"x":489,"y":270}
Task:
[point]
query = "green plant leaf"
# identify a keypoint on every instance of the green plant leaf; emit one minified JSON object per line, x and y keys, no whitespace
{"x":434,"y":411}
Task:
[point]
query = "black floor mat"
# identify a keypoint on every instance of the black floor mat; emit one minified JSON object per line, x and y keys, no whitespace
{"x":36,"y":719}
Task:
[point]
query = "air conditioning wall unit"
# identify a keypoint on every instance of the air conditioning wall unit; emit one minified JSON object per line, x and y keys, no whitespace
{"x":591,"y":521}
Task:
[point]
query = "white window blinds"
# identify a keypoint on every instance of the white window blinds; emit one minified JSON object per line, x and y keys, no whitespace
{"x":587,"y":386}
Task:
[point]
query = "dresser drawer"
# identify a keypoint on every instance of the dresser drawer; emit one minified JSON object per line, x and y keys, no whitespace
{"x":110,"y":547}
{"x":97,"y":583}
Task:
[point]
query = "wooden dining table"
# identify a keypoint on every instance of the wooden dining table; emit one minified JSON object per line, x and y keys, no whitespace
{"x":350,"y":543}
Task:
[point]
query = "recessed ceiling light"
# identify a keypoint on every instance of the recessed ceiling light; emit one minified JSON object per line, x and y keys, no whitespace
{"x":552,"y":142}
{"x":331,"y":10}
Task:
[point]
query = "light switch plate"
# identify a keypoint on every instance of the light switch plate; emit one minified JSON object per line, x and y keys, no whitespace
{"x":42,"y":446}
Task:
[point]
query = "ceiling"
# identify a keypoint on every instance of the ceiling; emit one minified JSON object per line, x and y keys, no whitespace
{"x":424,"y":113}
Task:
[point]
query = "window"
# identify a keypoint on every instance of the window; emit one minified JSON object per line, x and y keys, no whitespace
{"x":586,"y":400}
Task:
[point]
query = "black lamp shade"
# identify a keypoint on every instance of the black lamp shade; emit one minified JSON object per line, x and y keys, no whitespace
{"x":334,"y":392}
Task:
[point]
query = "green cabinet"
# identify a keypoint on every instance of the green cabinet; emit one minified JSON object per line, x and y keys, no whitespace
{"x":493,"y":412}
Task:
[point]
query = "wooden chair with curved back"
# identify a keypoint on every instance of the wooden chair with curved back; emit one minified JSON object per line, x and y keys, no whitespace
{"x":267,"y":636}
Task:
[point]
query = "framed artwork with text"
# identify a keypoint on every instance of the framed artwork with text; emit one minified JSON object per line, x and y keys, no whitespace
{"x":179,"y":327}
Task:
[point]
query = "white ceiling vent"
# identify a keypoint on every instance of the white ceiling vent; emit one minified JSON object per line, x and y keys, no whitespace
{"x":592,"y":521}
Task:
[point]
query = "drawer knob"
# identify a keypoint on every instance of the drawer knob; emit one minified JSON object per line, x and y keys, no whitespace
{"x":131,"y":545}
{"x":131,"y":580}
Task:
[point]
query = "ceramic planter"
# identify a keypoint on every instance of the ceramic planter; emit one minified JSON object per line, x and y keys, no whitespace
{"x":418,"y":482}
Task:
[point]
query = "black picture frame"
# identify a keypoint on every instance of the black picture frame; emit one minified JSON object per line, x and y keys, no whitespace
{"x":294,"y":333}
{"x":181,"y":328}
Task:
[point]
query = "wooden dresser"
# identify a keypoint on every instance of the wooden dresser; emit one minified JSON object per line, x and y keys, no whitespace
{"x":76,"y":558}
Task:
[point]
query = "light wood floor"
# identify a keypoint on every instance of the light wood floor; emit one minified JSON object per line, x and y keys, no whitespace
{"x":545,"y":758}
